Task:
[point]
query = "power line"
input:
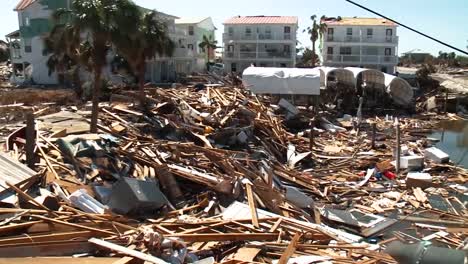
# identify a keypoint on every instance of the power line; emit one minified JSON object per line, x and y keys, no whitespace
{"x":412,"y":29}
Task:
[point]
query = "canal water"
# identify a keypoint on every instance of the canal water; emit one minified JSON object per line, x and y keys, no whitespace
{"x":453,"y":137}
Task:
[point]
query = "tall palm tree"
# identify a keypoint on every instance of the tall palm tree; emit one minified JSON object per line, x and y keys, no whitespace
{"x":90,"y":23}
{"x":316,"y":32}
{"x":207,"y":45}
{"x":140,"y":37}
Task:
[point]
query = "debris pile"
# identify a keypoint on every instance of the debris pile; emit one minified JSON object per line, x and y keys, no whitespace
{"x":216,"y":175}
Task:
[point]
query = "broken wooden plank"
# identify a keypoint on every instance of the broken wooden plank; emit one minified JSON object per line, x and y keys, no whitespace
{"x":225,"y":237}
{"x":127,"y":251}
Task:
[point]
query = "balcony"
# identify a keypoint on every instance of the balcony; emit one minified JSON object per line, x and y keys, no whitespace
{"x":249,"y":55}
{"x":273,"y":36}
{"x":362,"y":39}
{"x":183,"y":53}
{"x":363,"y":59}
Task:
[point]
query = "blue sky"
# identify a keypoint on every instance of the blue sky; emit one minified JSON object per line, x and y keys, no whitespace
{"x":446,"y":20}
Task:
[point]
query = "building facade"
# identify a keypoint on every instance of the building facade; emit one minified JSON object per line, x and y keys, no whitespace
{"x":35,"y":23}
{"x":27,"y":43}
{"x":360,"y":42}
{"x":189,"y":34}
{"x":263,"y":41}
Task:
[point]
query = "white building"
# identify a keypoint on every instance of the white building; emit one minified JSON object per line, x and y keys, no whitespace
{"x":360,"y":42}
{"x":188,"y":36}
{"x":264,"y":41}
{"x":34,"y":17}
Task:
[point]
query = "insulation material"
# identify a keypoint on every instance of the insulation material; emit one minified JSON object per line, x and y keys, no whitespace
{"x":291,"y":81}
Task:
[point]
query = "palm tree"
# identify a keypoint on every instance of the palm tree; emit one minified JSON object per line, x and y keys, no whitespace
{"x":65,"y":54}
{"x":207,"y":45}
{"x":316,"y":32}
{"x":90,"y":23}
{"x":140,"y":37}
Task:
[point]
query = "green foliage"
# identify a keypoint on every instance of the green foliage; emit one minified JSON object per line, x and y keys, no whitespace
{"x":208,"y":44}
{"x":316,"y":32}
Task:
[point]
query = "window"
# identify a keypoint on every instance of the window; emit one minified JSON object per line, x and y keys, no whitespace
{"x":191,"y":30}
{"x":389,"y":35}
{"x":345,"y":50}
{"x":330,"y":50}
{"x":331,"y":32}
{"x":370,"y":33}
{"x":248,"y":32}
{"x":27,"y":45}
{"x":262,"y":64}
{"x":190,"y":46}
{"x":230,"y":48}
{"x":349,"y":31}
{"x":283,"y":65}
{"x":287,"y":48}
{"x":231,"y":31}
{"x":388,"y":51}
{"x":287,"y":30}
{"x":233,"y":67}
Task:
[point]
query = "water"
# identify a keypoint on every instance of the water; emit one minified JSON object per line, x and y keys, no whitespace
{"x":453,"y":137}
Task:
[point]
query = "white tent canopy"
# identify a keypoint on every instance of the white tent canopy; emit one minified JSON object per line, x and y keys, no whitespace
{"x":342,"y":75}
{"x":369,"y":76}
{"x":399,"y":89}
{"x":291,"y":81}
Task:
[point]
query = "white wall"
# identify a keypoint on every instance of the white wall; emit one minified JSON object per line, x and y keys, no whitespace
{"x":379,"y":32}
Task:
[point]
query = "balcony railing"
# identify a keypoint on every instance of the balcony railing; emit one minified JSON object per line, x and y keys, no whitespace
{"x":362,"y":59}
{"x":15,"y":52}
{"x":183,"y":53}
{"x":362,"y":39}
{"x":259,"y":36}
{"x":259,"y":55}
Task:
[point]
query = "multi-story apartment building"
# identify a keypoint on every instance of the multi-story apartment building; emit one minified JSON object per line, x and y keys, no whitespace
{"x":34,"y":16}
{"x":189,"y":33}
{"x":264,"y":41}
{"x":360,"y":42}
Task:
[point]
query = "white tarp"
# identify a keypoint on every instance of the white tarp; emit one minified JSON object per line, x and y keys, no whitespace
{"x":292,"y":81}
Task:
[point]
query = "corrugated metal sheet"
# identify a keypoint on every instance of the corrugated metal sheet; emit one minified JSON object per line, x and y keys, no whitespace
{"x":24,"y":4}
{"x":262,"y":20}
{"x":13,"y":171}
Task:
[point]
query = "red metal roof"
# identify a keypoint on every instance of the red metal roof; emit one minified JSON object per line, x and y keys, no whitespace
{"x":262,"y":20}
{"x":23,"y":4}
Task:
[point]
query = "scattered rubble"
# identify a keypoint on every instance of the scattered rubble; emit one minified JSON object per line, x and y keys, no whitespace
{"x":212,"y":174}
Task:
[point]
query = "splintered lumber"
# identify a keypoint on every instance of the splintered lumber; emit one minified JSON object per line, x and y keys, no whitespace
{"x":75,"y":225}
{"x":50,"y":237}
{"x":225,"y":237}
{"x":58,"y":260}
{"x":29,"y":198}
{"x":253,"y":209}
{"x":290,"y":249}
{"x":127,"y":251}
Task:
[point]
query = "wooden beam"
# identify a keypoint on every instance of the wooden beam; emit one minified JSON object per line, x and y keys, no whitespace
{"x":290,"y":249}
{"x":48,"y":237}
{"x":100,"y":231}
{"x":253,"y":208}
{"x":127,"y":251}
{"x":29,"y":198}
{"x":58,"y":260}
{"x":225,"y":237}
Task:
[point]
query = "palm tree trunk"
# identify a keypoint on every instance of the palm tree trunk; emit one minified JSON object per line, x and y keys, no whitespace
{"x":313,"y":54}
{"x":96,"y":93}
